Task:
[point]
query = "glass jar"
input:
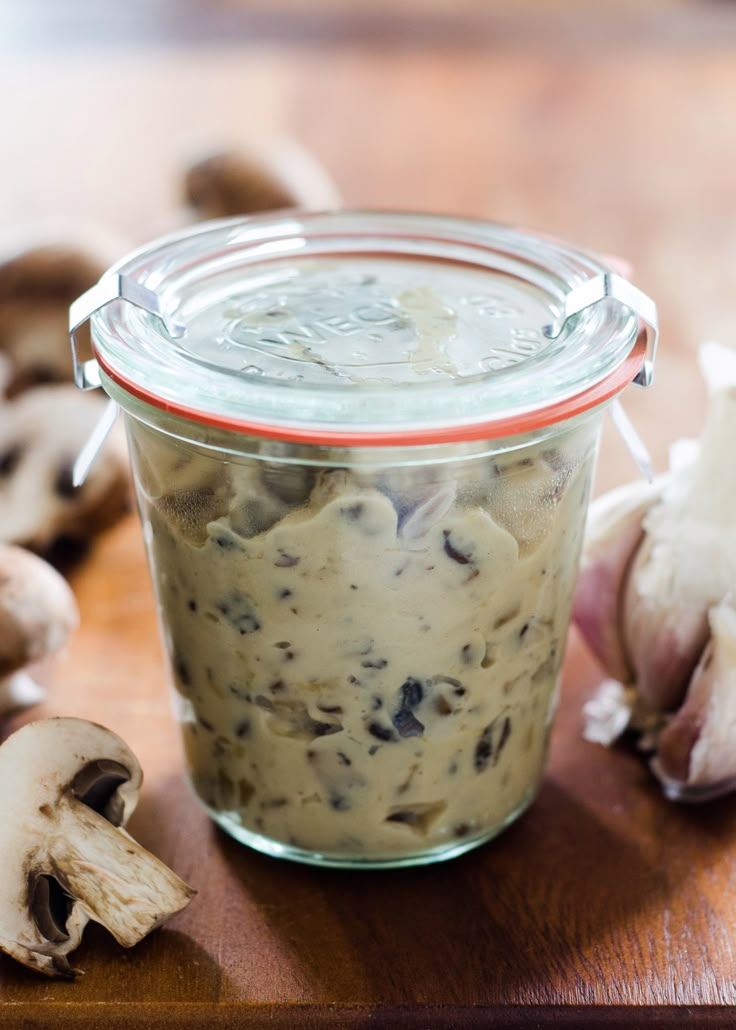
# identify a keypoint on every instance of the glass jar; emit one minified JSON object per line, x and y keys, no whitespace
{"x":362,"y":447}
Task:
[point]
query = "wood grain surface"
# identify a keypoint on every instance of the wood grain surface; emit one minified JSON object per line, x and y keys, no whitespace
{"x":604,"y":905}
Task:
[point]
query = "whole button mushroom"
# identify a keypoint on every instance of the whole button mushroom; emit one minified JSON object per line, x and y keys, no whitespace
{"x":37,"y":614}
{"x":67,"y":787}
{"x":241,"y":182}
{"x":41,"y":434}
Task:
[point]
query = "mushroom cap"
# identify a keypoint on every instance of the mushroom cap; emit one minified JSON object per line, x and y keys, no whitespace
{"x":275,"y":175}
{"x":36,"y":288}
{"x":42,"y":271}
{"x":40,"y":765}
{"x":231,"y":184}
{"x":53,"y":752}
{"x":41,"y":434}
{"x":37,"y":609}
{"x":48,"y":273}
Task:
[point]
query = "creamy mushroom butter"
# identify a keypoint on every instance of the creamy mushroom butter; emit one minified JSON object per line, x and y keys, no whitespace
{"x":362,"y":447}
{"x":366,"y":669}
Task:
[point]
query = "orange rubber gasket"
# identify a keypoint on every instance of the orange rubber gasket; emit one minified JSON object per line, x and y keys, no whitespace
{"x":488,"y":430}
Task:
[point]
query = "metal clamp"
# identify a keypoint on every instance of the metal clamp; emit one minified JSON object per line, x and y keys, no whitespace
{"x":111,"y":287}
{"x":608,"y":284}
{"x":114,"y":286}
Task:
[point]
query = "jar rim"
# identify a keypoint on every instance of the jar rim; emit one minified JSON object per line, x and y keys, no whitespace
{"x":594,"y":349}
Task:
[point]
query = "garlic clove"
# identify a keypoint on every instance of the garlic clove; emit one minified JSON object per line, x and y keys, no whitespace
{"x":664,"y":631}
{"x":613,"y":533}
{"x":696,"y":748}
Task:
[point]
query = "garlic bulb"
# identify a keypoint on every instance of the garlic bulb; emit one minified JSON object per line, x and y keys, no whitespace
{"x":657,"y":584}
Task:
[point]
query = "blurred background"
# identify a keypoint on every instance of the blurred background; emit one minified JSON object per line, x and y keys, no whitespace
{"x":611,"y":124}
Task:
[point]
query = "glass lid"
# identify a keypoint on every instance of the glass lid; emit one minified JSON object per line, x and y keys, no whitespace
{"x":367,"y":327}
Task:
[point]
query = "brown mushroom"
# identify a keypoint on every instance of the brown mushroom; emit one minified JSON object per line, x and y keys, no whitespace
{"x":41,"y":434}
{"x":241,"y":182}
{"x":67,"y":787}
{"x":37,"y":285}
{"x":37,"y":614}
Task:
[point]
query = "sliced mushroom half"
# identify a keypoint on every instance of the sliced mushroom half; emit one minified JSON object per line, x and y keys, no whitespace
{"x":67,"y":787}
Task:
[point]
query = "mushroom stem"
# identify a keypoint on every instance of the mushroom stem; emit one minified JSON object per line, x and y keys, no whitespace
{"x":19,"y":691}
{"x":115,"y":881}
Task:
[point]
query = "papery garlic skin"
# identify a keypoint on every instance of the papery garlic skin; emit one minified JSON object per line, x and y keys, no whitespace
{"x":607,"y":715}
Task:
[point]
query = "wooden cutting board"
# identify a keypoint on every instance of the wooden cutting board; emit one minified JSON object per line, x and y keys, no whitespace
{"x":604,"y":899}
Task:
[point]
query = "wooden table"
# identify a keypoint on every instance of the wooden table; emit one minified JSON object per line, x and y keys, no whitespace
{"x":604,"y":905}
